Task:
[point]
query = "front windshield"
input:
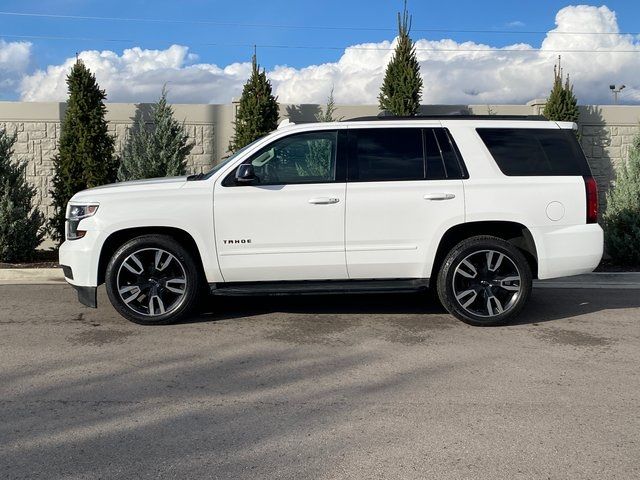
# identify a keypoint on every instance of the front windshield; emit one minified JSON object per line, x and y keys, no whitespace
{"x":229,"y":159}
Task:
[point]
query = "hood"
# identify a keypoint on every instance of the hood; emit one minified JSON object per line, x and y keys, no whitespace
{"x":150,"y":184}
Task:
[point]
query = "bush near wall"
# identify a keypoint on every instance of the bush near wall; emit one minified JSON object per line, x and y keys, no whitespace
{"x":20,"y":224}
{"x":622,"y":217}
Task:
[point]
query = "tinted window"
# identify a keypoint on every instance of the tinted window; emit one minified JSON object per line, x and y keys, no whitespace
{"x":522,"y":152}
{"x":449,"y":156}
{"x":301,"y":158}
{"x":435,"y":165}
{"x":379,"y":154}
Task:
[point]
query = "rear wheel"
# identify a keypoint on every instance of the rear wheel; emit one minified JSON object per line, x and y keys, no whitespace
{"x":152,"y":280}
{"x":484,"y":281}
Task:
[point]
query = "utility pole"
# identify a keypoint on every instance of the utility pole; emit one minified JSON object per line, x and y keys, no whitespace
{"x":616,"y":89}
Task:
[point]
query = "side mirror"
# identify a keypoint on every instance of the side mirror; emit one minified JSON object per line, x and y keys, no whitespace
{"x":245,"y":174}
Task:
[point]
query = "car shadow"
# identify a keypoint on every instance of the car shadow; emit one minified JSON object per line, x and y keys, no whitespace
{"x":545,"y":305}
{"x":216,"y":308}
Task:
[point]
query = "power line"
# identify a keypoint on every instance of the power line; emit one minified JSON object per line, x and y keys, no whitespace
{"x":300,"y":27}
{"x":323,"y":47}
{"x":57,"y":37}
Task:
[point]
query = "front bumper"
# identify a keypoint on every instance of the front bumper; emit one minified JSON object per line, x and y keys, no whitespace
{"x":82,"y":257}
{"x":79,"y":261}
{"x":87,"y":296}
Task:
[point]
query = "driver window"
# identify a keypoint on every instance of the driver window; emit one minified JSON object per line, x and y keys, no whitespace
{"x":301,"y":158}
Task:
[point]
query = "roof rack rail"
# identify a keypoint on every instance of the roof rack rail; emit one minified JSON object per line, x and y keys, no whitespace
{"x":454,"y":116}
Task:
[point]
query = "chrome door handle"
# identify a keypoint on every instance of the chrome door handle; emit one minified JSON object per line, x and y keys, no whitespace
{"x":439,"y":196}
{"x":323,"y":200}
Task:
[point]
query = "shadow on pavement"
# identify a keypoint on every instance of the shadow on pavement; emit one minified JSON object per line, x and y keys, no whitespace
{"x":184,"y":415}
{"x":164,"y":403}
{"x":216,"y":308}
{"x":545,"y":305}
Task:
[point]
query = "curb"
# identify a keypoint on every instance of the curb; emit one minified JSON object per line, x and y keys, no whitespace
{"x":31,"y":276}
{"x":613,"y":280}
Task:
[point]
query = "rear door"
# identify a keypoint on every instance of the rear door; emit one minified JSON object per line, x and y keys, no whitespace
{"x":404,"y":190}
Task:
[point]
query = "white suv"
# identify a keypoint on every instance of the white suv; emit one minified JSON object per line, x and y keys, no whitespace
{"x":474,"y":207}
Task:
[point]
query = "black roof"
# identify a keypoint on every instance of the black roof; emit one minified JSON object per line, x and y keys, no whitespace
{"x":448,"y":117}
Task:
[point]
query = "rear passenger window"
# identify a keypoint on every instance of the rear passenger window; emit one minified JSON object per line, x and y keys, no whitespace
{"x":451,"y":167}
{"x":435,"y":165}
{"x":535,"y":152}
{"x":385,"y":154}
{"x":382,"y":154}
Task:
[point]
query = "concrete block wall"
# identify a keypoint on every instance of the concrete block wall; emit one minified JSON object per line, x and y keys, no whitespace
{"x":37,"y":144}
{"x":606,"y":132}
{"x":38,"y":128}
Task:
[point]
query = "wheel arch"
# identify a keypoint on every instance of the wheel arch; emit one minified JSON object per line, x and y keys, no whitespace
{"x":513,"y":232}
{"x":118,"y":238}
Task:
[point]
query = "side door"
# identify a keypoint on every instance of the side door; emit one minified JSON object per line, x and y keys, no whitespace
{"x":288,"y":224}
{"x":404,"y":190}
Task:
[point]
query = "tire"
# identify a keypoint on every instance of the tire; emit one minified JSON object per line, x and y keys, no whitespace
{"x":153,"y":280}
{"x":484,"y":281}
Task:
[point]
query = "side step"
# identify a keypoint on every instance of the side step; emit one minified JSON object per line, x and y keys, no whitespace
{"x":320,"y":287}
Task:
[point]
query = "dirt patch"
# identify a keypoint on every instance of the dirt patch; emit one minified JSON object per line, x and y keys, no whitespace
{"x":30,"y":265}
{"x":320,"y":329}
{"x":607,"y":266}
{"x":423,"y":323}
{"x":328,"y":329}
{"x":98,"y":338}
{"x":572,"y":338}
{"x":41,"y":259}
{"x":416,"y":329}
{"x":80,"y":318}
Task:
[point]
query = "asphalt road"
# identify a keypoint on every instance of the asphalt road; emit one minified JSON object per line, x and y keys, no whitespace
{"x":357,"y":387}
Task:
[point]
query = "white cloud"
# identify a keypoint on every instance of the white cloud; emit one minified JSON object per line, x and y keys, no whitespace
{"x":14,"y":61}
{"x":452,"y":73}
{"x":515,"y":23}
{"x":138,"y":76}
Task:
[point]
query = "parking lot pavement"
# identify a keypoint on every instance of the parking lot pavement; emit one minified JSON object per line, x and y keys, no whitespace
{"x":384,"y":386}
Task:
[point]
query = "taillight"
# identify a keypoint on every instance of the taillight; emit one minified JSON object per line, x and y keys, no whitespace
{"x":592,"y":199}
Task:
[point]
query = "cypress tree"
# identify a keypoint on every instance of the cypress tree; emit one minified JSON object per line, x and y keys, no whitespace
{"x":258,"y":109}
{"x":86,"y":152}
{"x":20,"y":224}
{"x":562,"y":104}
{"x":329,"y":110}
{"x":622,"y":217}
{"x":318,"y":159}
{"x":402,"y":86}
{"x":159,"y":150}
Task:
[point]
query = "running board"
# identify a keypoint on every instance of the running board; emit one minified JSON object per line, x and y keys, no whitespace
{"x":320,"y":287}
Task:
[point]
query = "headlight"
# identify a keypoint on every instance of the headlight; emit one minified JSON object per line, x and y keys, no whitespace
{"x":75,"y":213}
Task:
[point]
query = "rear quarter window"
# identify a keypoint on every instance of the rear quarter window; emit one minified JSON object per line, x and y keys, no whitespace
{"x":535,"y":151}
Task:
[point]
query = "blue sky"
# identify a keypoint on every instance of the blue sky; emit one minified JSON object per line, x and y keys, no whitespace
{"x":354,"y":22}
{"x":468,"y":15}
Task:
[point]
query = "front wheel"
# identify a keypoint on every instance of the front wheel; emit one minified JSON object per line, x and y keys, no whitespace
{"x":152,"y":280}
{"x":484,"y":281}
